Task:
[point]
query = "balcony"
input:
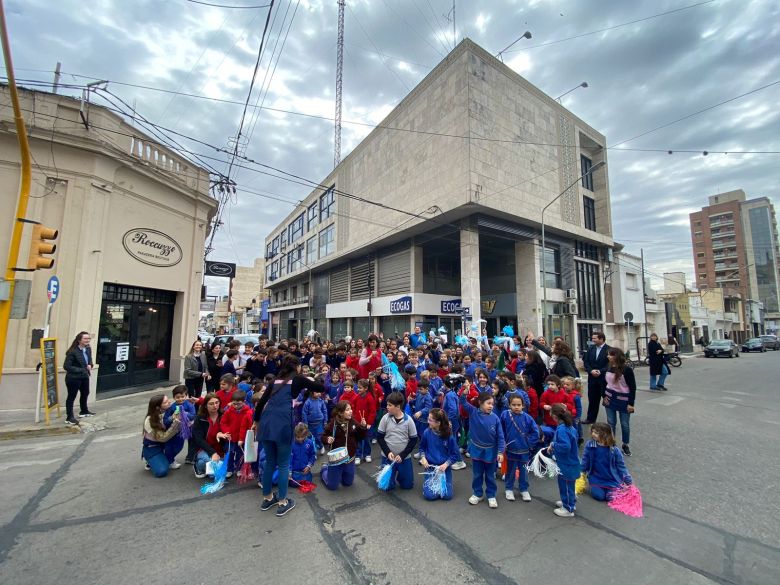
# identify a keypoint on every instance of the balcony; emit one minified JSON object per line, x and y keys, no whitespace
{"x":720,"y":245}
{"x":727,"y":255}
{"x":729,"y":267}
{"x":715,"y":235}
{"x":724,"y":279}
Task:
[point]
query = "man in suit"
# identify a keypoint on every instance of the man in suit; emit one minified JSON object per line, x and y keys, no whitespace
{"x":596,"y":365}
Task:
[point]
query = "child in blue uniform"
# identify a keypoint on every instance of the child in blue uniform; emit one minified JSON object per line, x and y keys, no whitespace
{"x":439,"y":450}
{"x":315,"y":415}
{"x":302,"y":455}
{"x":422,"y":406}
{"x":573,"y":387}
{"x":603,"y":463}
{"x":449,"y":404}
{"x":486,"y":445}
{"x":521,"y":435}
{"x":564,"y":446}
{"x":175,"y":445}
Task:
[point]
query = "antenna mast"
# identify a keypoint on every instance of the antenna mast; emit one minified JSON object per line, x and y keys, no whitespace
{"x":339,"y":75}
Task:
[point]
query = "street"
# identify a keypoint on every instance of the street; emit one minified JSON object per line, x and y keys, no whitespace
{"x":83,"y":510}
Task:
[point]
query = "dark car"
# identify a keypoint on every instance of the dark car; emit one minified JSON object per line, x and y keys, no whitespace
{"x":754,"y":344}
{"x":771,"y":342}
{"x":721,"y":347}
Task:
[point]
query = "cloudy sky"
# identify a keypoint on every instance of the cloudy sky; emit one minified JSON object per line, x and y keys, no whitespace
{"x":644,"y":69}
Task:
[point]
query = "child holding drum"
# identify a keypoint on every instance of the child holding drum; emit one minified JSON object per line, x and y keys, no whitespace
{"x":341,"y":435}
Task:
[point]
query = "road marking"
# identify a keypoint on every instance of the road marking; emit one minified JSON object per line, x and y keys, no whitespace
{"x":731,"y":398}
{"x":8,"y":466}
{"x":107,"y":438}
{"x":771,"y":422}
{"x":665,"y":400}
{"x":52,"y":445}
{"x":737,"y":392}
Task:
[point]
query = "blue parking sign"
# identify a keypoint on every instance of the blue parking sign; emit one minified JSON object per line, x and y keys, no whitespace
{"x":53,"y":289}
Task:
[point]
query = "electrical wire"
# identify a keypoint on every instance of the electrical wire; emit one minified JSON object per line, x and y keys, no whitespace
{"x":230,"y":5}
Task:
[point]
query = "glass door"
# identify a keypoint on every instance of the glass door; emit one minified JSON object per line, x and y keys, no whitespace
{"x":113,"y":347}
{"x":152,"y":325}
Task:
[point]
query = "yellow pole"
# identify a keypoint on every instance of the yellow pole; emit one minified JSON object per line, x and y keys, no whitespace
{"x":24,"y":188}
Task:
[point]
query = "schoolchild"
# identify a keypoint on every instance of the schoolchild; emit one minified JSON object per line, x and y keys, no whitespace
{"x":397,"y":436}
{"x":564,"y":447}
{"x":521,"y":435}
{"x":499,"y":389}
{"x":364,"y":409}
{"x":333,"y":389}
{"x":303,"y":455}
{"x":603,"y":463}
{"x":314,"y":416}
{"x":341,"y":431}
{"x":227,"y":385}
{"x":349,"y":394}
{"x":439,"y":452}
{"x":451,"y":407}
{"x":175,"y":445}
{"x":573,"y":387}
{"x":555,"y":394}
{"x":235,"y":422}
{"x":422,"y":406}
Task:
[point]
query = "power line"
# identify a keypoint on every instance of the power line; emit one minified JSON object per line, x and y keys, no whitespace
{"x":230,"y":5}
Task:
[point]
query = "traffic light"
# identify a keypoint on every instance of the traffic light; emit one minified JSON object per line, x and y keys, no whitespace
{"x":40,"y":247}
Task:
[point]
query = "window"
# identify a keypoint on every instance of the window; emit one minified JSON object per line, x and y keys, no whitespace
{"x":284,"y":295}
{"x":551,"y":267}
{"x":283,"y":265}
{"x":697,"y":224}
{"x":631,"y":281}
{"x":700,"y":254}
{"x":702,"y":277}
{"x":327,"y":241}
{"x":699,"y":234}
{"x":268,"y":250}
{"x":294,"y":294}
{"x":275,"y":246}
{"x":311,"y":250}
{"x":311,"y":216}
{"x":584,"y":250}
{"x":589,"y":206}
{"x":588,"y":291}
{"x":587,"y":177}
{"x":296,"y":229}
{"x":294,"y":259}
{"x":276,"y":297}
{"x":327,"y":204}
{"x":305,"y":287}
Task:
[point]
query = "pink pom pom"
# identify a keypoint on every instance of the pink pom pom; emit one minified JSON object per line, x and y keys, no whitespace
{"x":627,"y":499}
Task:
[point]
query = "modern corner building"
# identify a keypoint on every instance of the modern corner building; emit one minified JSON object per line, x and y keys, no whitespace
{"x":735,"y":246}
{"x":440,"y":208}
{"x":132,"y":219}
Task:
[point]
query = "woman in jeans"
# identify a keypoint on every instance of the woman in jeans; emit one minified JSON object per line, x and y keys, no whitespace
{"x":619,"y":395}
{"x":658,"y":368}
{"x":196,"y":370}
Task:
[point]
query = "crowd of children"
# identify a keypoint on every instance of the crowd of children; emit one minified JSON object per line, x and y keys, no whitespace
{"x":433,"y":405}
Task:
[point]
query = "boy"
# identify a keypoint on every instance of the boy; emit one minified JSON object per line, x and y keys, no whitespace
{"x":397,"y":436}
{"x":364,"y":409}
{"x":303,"y":454}
{"x":522,"y":435}
{"x":349,"y":394}
{"x":174,"y":446}
{"x":235,"y":422}
{"x":315,"y":414}
{"x":422,"y":406}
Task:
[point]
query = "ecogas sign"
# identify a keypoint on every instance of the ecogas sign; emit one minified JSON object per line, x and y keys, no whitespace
{"x":402,"y":305}
{"x":152,"y":247}
{"x":450,"y":307}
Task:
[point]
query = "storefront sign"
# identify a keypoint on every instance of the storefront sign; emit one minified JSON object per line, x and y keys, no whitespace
{"x":224,"y":269}
{"x":160,"y":364}
{"x":402,"y":305}
{"x":488,"y":307}
{"x":152,"y":247}
{"x":122,"y":352}
{"x":451,"y":307}
{"x":208,"y":306}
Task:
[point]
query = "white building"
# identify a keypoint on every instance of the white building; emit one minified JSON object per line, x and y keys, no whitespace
{"x":627,"y":303}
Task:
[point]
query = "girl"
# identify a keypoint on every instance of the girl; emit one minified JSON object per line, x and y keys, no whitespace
{"x":206,"y":435}
{"x":486,"y":445}
{"x":499,"y":389}
{"x":440,"y":450}
{"x":214,"y":362}
{"x":573,"y":388}
{"x":564,"y":446}
{"x":603,"y":463}
{"x":342,"y":431}
{"x":227,"y":385}
{"x":619,"y":395}
{"x":155,"y":436}
{"x":522,"y":435}
{"x":554,"y":394}
{"x":333,"y":389}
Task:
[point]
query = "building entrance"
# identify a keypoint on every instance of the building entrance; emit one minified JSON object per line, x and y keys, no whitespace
{"x":134,"y":338}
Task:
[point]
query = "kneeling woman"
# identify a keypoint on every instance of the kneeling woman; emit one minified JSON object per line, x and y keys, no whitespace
{"x":206,"y":435}
{"x":342,"y":431}
{"x":439,"y":451}
{"x":155,"y":436}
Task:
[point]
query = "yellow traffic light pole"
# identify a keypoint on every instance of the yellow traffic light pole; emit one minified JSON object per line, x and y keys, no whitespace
{"x":24,"y":189}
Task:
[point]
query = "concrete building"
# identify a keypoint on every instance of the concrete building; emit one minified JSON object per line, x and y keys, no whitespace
{"x":247,"y":293}
{"x":735,"y":247}
{"x":625,"y":306}
{"x":439,"y":209}
{"x":132,"y":218}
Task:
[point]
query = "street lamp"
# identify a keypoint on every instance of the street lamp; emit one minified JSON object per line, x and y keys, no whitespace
{"x":583,"y":84}
{"x":544,"y":248}
{"x":526,"y":35}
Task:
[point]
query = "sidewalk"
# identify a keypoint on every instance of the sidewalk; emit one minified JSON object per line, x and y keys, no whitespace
{"x":112,"y":413}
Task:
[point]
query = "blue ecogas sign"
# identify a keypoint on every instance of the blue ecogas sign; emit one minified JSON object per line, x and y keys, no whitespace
{"x":451,"y":307}
{"x":402,"y":305}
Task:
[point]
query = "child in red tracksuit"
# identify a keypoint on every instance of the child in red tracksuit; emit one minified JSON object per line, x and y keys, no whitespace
{"x":227,"y":385}
{"x":353,"y":360}
{"x":364,"y":411}
{"x":235,"y":422}
{"x":349,"y":394}
{"x":555,"y":394}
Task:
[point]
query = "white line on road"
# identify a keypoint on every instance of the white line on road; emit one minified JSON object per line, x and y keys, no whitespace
{"x":665,"y":400}
{"x":107,"y":438}
{"x":8,"y":466}
{"x":731,"y":398}
{"x":737,"y":392}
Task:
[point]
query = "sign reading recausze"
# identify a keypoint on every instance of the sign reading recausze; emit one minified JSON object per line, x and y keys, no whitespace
{"x":152,"y":247}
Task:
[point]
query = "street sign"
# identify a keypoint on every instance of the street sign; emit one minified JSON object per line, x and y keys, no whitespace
{"x":629,"y":316}
{"x":466,"y":310}
{"x":53,"y":289}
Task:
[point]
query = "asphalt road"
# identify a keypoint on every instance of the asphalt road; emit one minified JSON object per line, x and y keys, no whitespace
{"x":83,"y":510}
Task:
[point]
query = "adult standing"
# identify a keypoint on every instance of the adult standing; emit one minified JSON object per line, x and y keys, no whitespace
{"x":619,"y":395}
{"x":535,"y":371}
{"x":78,"y":369}
{"x":214,"y":366}
{"x":274,"y":423}
{"x":561,"y":357}
{"x":417,"y":338}
{"x":658,"y":368}
{"x":596,"y":362}
{"x":196,"y":370}
{"x":370,"y":358}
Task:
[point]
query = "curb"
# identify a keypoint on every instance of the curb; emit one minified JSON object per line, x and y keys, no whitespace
{"x":36,"y":432}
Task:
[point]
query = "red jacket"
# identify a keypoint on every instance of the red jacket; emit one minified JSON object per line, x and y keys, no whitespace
{"x":374,"y":362}
{"x":225,"y":396}
{"x":364,"y":406}
{"x":472,"y":398}
{"x":443,"y":373}
{"x":349,"y":397}
{"x":236,"y":422}
{"x":533,"y":399}
{"x":379,"y":395}
{"x":411,"y":388}
{"x":353,"y":363}
{"x":559,"y":396}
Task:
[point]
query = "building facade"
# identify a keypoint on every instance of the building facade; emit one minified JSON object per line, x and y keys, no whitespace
{"x":627,"y":324}
{"x":132,"y":219}
{"x":439,"y":211}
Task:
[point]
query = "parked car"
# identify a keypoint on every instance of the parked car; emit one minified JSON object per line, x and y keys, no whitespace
{"x":721,"y":347}
{"x":754,"y":344}
{"x":243,"y":338}
{"x":771,"y":342}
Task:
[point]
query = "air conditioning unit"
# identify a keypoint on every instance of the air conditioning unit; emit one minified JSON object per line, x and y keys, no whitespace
{"x":571,"y":294}
{"x":570,"y":307}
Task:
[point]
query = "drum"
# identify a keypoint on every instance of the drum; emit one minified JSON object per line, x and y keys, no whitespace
{"x":338,"y":456}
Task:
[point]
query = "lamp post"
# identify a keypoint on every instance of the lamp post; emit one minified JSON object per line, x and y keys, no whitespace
{"x":583,"y":84}
{"x":526,"y":35}
{"x":544,"y":248}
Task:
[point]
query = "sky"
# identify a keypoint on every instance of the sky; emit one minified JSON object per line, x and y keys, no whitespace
{"x":651,"y":67}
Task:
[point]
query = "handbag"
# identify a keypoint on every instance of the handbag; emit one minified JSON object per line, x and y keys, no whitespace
{"x":250,"y":447}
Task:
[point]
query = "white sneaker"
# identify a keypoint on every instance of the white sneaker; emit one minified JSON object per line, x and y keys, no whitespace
{"x":493,"y":503}
{"x":368,"y":458}
{"x":559,"y":504}
{"x":200,"y":475}
{"x":474,"y":500}
{"x":416,"y":455}
{"x":357,"y":460}
{"x":175,"y":465}
{"x":373,"y":441}
{"x":526,"y":496}
{"x":229,"y":474}
{"x":459,"y":465}
{"x":510,"y":495}
{"x":147,"y":467}
{"x":563,"y":513}
{"x":467,"y":454}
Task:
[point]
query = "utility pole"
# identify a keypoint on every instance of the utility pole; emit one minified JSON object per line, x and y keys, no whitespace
{"x":339,"y":75}
{"x":644,"y":291}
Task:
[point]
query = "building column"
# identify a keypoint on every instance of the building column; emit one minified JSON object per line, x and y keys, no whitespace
{"x":469,"y":271}
{"x":527,"y":287}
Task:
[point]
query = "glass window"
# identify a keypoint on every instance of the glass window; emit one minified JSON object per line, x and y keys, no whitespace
{"x":296,"y":229}
{"x":312,"y":216}
{"x":589,"y":206}
{"x":294,"y":259}
{"x":551,"y":267}
{"x":327,"y":204}
{"x":311,"y":250}
{"x":283,"y":265}
{"x":587,"y":177}
{"x":275,"y":246}
{"x":268,"y":250}
{"x":588,"y":290}
{"x":584,"y":250}
{"x":327,"y":241}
